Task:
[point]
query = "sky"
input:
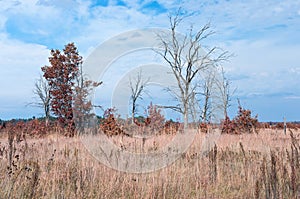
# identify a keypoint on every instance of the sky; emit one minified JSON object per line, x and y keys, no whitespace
{"x":263,"y":36}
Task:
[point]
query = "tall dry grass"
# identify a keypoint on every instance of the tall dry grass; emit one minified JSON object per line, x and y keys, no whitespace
{"x":263,"y":165}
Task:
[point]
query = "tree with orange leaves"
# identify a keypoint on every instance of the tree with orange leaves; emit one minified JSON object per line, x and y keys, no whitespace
{"x":61,"y":76}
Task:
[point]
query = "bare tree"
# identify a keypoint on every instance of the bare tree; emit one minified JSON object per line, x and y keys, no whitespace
{"x":82,"y":105}
{"x":223,"y":84}
{"x":202,"y":100}
{"x":137,"y":87}
{"x":207,"y":92}
{"x":187,"y":59}
{"x":42,"y":92}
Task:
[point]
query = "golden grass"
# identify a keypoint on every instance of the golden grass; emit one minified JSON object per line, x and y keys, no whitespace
{"x":263,"y":165}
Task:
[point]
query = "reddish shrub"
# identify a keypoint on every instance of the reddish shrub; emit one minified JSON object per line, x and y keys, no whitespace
{"x":203,"y":127}
{"x":109,"y":124}
{"x":242,"y":123}
{"x":229,"y":126}
{"x":245,"y":122}
{"x":171,"y":127}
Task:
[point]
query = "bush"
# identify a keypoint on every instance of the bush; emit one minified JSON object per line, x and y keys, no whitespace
{"x":109,"y":125}
{"x":242,"y":123}
{"x":229,"y":126}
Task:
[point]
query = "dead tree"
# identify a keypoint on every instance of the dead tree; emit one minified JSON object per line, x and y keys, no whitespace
{"x":137,"y":87}
{"x":207,"y":92}
{"x":82,"y":105}
{"x":42,"y":92}
{"x":223,"y":85}
{"x":187,"y":59}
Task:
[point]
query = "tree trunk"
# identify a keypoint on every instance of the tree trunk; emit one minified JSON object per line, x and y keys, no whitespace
{"x":186,"y":120}
{"x":47,"y":114}
{"x":132,"y":117}
{"x":132,"y":113}
{"x":186,"y":106}
{"x":185,"y":116}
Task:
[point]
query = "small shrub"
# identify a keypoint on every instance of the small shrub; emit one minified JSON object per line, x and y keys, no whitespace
{"x":203,"y":127}
{"x":171,"y":127}
{"x":245,"y":122}
{"x":229,"y":126}
{"x":242,"y":123}
{"x":109,"y":125}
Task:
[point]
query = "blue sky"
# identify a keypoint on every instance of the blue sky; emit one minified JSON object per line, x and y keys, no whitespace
{"x":262,"y":35}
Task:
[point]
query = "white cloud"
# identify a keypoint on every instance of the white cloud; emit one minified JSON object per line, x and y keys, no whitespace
{"x":293,"y":97}
{"x":295,"y":70}
{"x":267,"y":66}
{"x":20,"y":65}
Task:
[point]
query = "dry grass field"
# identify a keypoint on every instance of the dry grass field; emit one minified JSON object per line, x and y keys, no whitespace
{"x":263,"y":165}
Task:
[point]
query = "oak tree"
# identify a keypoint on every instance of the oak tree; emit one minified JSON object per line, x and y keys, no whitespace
{"x":61,"y":75}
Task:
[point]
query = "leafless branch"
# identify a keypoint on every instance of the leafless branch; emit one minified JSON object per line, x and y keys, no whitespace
{"x":186,"y":57}
{"x":175,"y":108}
{"x":42,"y":93}
{"x":137,"y":87}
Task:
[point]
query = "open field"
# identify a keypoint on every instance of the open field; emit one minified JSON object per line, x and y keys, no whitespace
{"x":263,"y":165}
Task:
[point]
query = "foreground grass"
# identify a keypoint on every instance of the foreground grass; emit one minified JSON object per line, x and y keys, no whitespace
{"x":264,"y":165}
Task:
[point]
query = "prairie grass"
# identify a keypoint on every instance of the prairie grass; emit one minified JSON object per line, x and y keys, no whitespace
{"x":263,"y":165}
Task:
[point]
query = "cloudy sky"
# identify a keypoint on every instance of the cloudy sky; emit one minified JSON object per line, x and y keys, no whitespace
{"x":262,"y":35}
